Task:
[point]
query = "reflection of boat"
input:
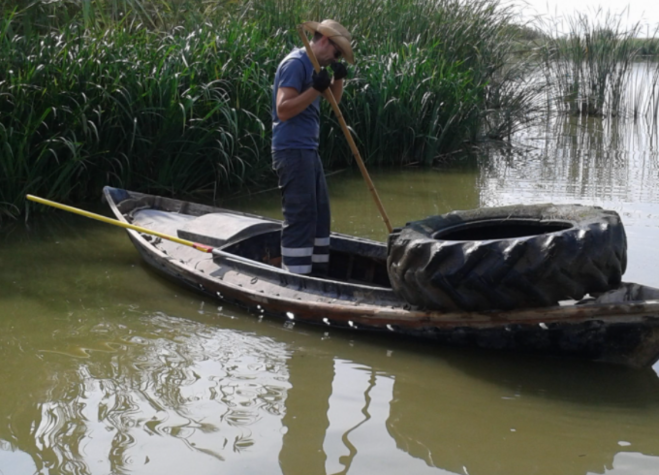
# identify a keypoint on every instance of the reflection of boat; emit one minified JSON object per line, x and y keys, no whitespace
{"x":620,"y":326}
{"x":544,"y":419}
{"x":463,"y":412}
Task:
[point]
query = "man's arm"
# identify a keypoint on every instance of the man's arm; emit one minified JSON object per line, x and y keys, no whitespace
{"x":290,"y":102}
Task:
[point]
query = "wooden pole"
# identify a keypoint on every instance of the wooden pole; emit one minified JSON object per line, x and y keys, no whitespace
{"x":115,"y":222}
{"x":139,"y":229}
{"x":355,"y":151}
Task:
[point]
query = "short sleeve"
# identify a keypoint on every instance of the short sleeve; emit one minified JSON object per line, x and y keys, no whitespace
{"x":291,"y":74}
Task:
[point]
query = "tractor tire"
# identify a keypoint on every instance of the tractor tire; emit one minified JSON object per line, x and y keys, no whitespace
{"x":507,"y":257}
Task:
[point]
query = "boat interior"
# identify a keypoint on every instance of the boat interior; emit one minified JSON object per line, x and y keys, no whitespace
{"x":352,"y":259}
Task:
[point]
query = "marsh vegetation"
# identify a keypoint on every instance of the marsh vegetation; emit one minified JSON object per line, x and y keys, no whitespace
{"x":173,"y":96}
{"x":590,"y":61}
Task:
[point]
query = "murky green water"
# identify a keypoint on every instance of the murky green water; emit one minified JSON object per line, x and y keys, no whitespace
{"x":107,"y":368}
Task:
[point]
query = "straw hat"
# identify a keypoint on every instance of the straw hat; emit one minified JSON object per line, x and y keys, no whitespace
{"x":336,"y":32}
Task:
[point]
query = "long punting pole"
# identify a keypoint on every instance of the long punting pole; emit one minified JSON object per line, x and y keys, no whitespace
{"x":115,"y":222}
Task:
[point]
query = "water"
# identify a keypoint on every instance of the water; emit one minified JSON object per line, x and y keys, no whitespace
{"x":108,"y":368}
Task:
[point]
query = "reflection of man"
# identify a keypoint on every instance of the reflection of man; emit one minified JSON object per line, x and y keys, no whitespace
{"x":295,"y":136}
{"x":306,"y":420}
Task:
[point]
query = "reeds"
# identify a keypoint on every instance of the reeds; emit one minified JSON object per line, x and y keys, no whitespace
{"x":173,"y":96}
{"x":589,"y":58}
{"x":131,"y":107}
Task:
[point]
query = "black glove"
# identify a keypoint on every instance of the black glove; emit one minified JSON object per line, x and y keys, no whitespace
{"x":340,"y":70}
{"x":321,"y":80}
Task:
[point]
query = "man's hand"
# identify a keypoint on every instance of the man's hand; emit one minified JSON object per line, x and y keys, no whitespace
{"x":340,"y":70}
{"x":321,"y":80}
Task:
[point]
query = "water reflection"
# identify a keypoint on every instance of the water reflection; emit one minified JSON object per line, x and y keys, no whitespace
{"x":575,"y":159}
{"x":126,"y":389}
{"x":162,"y":394}
{"x":139,"y":391}
{"x":465,"y":414}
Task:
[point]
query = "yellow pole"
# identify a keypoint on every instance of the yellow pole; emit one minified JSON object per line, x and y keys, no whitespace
{"x":98,"y":217}
{"x":355,"y":151}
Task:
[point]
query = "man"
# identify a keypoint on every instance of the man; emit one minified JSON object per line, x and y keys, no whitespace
{"x":295,"y":136}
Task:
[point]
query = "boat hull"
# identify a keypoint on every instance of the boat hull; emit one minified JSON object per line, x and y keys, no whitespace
{"x":621,"y":327}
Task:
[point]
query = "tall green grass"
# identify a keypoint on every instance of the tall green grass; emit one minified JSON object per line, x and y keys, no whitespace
{"x":130,"y":107}
{"x":589,"y":59}
{"x":173,"y":96}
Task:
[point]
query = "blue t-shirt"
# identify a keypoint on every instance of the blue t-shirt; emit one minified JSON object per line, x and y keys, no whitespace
{"x":303,"y":130}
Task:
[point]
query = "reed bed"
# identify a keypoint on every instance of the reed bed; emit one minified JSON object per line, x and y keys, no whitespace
{"x":642,"y":94}
{"x":589,"y":60}
{"x":133,"y":108}
{"x":173,"y":96}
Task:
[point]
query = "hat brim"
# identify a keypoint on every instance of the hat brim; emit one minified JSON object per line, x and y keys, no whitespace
{"x":341,"y":41}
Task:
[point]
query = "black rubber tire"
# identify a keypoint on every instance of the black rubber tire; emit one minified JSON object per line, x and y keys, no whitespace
{"x":507,"y":257}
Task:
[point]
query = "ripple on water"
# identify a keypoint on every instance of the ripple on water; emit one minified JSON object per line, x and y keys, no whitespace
{"x":166,"y":381}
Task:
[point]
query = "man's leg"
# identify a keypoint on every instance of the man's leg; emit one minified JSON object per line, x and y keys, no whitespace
{"x":295,"y":169}
{"x":320,"y":257}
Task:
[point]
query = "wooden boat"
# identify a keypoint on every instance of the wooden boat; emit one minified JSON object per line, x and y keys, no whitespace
{"x":620,"y":326}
